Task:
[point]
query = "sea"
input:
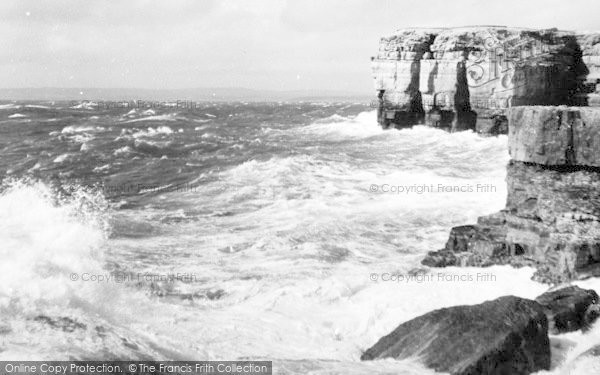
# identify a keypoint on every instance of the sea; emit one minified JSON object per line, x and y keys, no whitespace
{"x":285,"y":232}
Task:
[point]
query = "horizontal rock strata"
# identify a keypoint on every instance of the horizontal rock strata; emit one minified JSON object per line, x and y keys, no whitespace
{"x":466,"y":78}
{"x":552,"y":214}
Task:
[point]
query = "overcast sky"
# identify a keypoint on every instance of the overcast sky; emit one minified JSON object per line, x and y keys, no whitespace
{"x":260,"y":44}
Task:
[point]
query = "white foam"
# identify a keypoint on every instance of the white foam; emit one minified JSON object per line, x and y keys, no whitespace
{"x":46,"y":239}
{"x":123,"y":151}
{"x":43,"y":243}
{"x":73,"y":129}
{"x":61,"y":158}
{"x":300,"y":236}
{"x":165,"y":117}
{"x":86,"y":105}
{"x":9,"y":106}
{"x":361,"y":126}
{"x":150,"y":132}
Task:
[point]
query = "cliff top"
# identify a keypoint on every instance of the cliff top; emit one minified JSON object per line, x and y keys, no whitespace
{"x":485,"y":38}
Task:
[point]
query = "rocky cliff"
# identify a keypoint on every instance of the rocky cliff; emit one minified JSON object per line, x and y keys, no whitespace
{"x":466,"y":78}
{"x":552,"y":214}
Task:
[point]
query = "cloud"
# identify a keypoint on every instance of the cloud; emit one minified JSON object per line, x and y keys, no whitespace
{"x":253,"y":43}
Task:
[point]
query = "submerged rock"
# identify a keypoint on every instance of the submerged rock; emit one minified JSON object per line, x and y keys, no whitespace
{"x":508,"y":335}
{"x":569,"y":309}
{"x":63,"y":323}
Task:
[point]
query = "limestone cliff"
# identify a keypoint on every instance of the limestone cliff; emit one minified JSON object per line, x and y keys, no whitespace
{"x":552,"y":214}
{"x":590,"y":53}
{"x":466,"y":78}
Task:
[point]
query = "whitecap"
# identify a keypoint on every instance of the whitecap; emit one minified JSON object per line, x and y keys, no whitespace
{"x":9,"y":106}
{"x":166,"y":117}
{"x":363,"y":125}
{"x":72,"y":129}
{"x":149,"y":132}
{"x":122,"y":151}
{"x":61,"y":158}
{"x":102,"y":168}
{"x":86,"y":105}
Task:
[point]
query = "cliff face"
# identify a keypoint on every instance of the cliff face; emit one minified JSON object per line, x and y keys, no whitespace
{"x":466,"y":78}
{"x":396,"y":72}
{"x":590,"y":56}
{"x":552,"y":214}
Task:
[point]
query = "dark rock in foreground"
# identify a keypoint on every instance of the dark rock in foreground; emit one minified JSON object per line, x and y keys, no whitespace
{"x":569,"y":309}
{"x":508,"y":335}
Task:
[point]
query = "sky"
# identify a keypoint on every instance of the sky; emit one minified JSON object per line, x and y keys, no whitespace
{"x":258,"y":44}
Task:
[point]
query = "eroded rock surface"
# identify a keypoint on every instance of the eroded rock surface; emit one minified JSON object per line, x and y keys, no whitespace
{"x":466,"y":78}
{"x":569,"y":309}
{"x":555,"y":136}
{"x":552,"y":216}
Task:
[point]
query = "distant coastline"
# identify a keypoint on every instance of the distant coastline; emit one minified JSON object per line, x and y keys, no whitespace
{"x":195,"y":94}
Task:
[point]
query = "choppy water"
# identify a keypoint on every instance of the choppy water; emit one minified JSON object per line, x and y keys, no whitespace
{"x":233,"y":231}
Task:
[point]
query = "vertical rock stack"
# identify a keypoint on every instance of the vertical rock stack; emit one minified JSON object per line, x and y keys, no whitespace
{"x":396,"y":71}
{"x":466,"y":78}
{"x":552,"y":214}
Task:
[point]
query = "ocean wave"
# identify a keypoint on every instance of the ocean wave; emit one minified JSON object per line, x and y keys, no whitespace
{"x":363,"y":125}
{"x":10,"y":106}
{"x":73,"y":129}
{"x":153,"y":131}
{"x":140,"y":134}
{"x":125,"y":150}
{"x":90,"y":106}
{"x":165,"y":117}
{"x":332,"y":118}
{"x":283,"y":242}
{"x":62,"y":158}
{"x":50,"y":243}
{"x":152,"y":147}
{"x":45,"y":239}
